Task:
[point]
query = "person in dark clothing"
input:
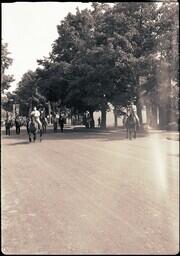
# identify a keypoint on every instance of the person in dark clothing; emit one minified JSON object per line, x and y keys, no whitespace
{"x":18,"y":124}
{"x":27,"y":124}
{"x":55,"y":121}
{"x":8,"y":125}
{"x":61,"y":123}
{"x":91,"y":123}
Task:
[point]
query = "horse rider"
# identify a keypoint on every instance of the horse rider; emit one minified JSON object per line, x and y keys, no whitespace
{"x":133,"y":110}
{"x":36,"y":115}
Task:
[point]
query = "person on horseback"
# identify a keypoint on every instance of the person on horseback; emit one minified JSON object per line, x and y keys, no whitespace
{"x":36,"y":115}
{"x":33,"y":128}
{"x":133,"y":112}
{"x":131,"y":121}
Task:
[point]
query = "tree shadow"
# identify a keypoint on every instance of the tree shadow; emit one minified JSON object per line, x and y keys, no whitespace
{"x":78,"y":133}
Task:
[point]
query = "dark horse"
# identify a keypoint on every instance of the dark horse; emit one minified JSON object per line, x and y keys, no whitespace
{"x":131,"y":123}
{"x":33,"y":128}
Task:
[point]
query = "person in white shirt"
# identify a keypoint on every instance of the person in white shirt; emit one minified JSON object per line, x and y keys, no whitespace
{"x":36,"y":114}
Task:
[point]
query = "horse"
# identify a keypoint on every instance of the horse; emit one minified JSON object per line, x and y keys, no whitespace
{"x":131,"y":123}
{"x":33,"y":128}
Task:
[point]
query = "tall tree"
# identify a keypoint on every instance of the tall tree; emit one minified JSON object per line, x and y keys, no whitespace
{"x":168,"y":79}
{"x":6,"y":61}
{"x":141,"y":28}
{"x":27,"y":94}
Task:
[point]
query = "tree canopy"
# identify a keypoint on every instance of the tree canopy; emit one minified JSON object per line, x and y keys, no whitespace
{"x":102,"y":55}
{"x":6,"y":61}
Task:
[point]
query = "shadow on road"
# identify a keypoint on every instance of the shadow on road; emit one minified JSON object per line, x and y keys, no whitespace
{"x":76,"y":133}
{"x":19,"y":143}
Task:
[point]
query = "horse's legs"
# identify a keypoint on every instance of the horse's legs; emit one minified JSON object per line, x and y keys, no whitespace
{"x":130,"y":133}
{"x":134,"y":132}
{"x":127,"y":131}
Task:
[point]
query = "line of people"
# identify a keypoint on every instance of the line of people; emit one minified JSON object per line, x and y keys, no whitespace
{"x":36,"y":114}
{"x":17,"y":122}
{"x":58,"y":119}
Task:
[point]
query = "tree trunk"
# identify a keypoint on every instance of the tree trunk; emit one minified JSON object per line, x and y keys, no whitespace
{"x":162,"y":117}
{"x":115,"y":117}
{"x":154,"y":116}
{"x":148,"y":114}
{"x":139,"y":112}
{"x":91,"y":114}
{"x":103,"y":118}
{"x":30,"y":107}
{"x":92,"y":118}
{"x":49,"y":111}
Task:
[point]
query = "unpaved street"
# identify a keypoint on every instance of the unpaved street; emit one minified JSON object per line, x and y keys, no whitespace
{"x":90,"y":192}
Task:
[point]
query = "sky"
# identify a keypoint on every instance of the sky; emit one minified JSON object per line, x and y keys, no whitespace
{"x":30,"y":28}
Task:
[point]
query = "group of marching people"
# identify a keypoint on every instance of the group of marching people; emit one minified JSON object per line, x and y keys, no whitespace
{"x":39,"y":117}
{"x":17,"y":122}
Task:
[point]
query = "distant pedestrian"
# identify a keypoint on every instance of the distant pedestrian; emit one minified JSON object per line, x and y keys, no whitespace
{"x":61,"y":123}
{"x":8,"y":125}
{"x":18,"y":124}
{"x":55,"y":121}
{"x":91,"y":123}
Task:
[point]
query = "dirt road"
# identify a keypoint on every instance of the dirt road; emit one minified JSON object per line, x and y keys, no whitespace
{"x":90,"y":192}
